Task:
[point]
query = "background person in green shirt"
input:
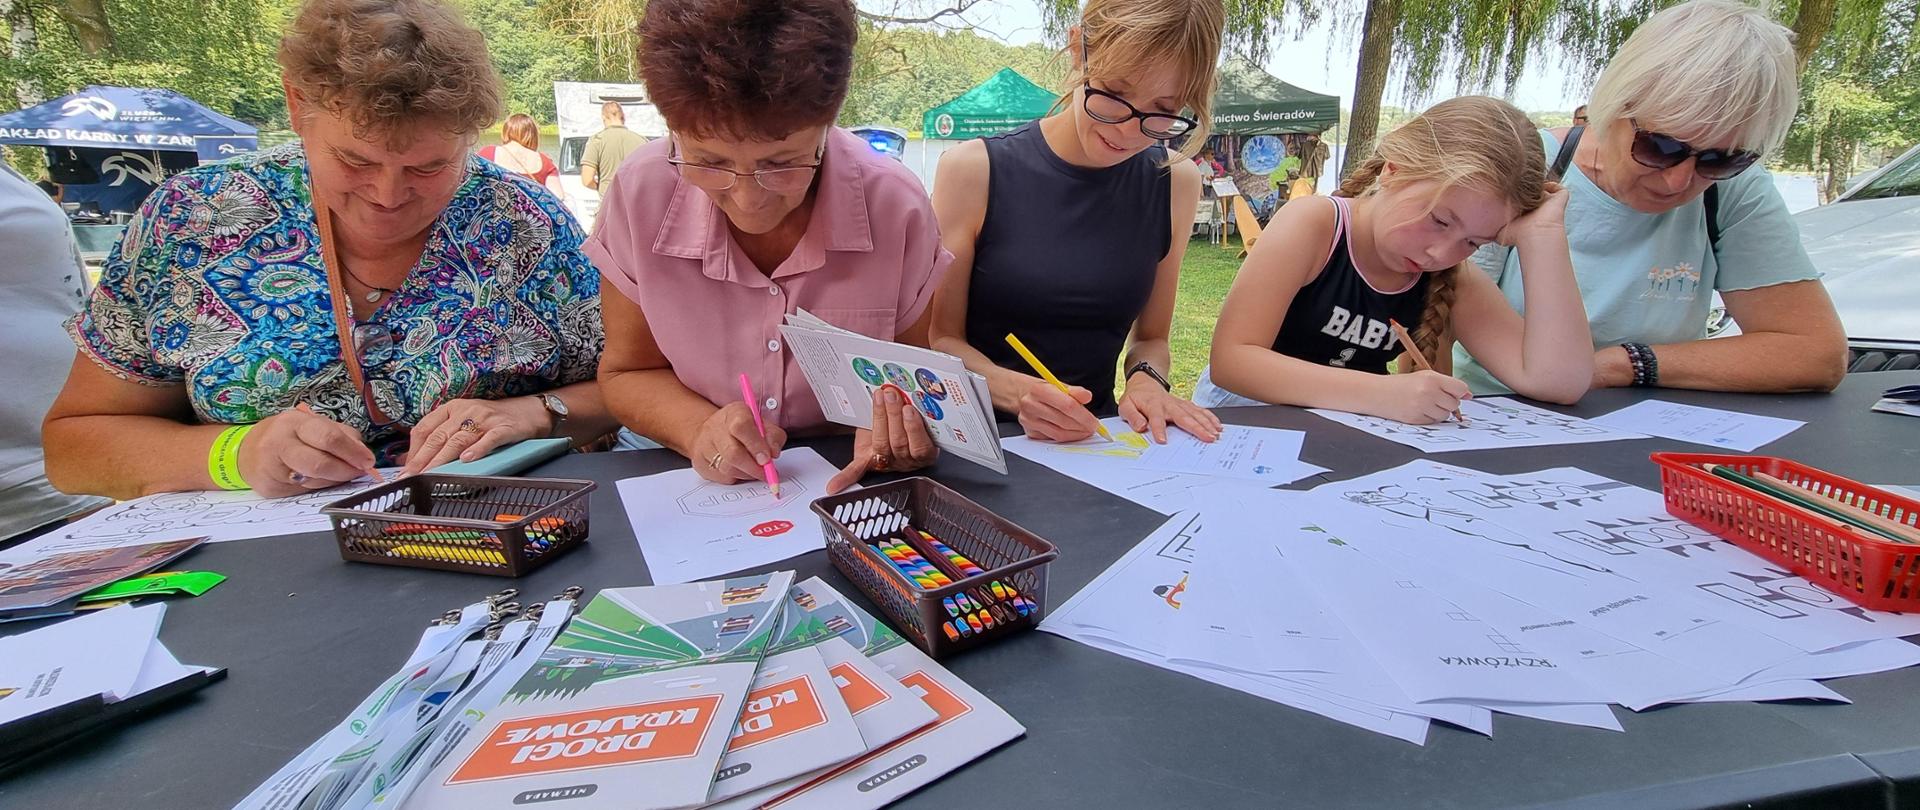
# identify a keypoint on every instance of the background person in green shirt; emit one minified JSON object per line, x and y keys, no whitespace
{"x":607,"y":148}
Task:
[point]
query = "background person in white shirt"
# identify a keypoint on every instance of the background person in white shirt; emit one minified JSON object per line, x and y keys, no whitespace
{"x":41,"y":285}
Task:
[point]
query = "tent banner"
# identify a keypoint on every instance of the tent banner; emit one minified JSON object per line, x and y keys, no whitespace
{"x":972,"y":126}
{"x":1261,"y":117}
{"x":108,"y":140}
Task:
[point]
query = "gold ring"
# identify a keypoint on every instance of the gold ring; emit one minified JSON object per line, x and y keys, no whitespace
{"x":469,"y":426}
{"x":715,"y":461}
{"x":880,"y":462}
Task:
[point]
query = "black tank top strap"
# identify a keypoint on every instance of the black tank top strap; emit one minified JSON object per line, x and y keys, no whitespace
{"x":1339,"y":318}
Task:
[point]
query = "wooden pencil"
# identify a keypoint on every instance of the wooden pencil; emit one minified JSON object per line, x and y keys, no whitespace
{"x":1782,"y":492}
{"x":1406,"y":343}
{"x":1911,"y":534}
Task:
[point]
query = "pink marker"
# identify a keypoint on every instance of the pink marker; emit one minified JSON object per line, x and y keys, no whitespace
{"x":753,"y":404}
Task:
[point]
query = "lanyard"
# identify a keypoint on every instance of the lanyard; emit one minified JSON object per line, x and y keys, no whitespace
{"x":342,"y":316}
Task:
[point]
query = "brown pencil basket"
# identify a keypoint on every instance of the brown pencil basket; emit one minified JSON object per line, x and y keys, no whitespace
{"x":1010,"y":556}
{"x":471,"y":523}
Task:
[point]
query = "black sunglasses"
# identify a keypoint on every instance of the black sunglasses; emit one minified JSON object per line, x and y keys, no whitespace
{"x":1656,"y":151}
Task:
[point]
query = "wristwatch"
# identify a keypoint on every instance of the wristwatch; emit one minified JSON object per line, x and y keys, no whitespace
{"x":1147,"y":367}
{"x":555,"y":406}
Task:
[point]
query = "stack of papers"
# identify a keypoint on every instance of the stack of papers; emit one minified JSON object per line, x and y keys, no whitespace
{"x":919,"y":721}
{"x":1433,"y":592}
{"x":1161,"y":477}
{"x":734,"y":693}
{"x":59,"y":679}
{"x":845,"y":369}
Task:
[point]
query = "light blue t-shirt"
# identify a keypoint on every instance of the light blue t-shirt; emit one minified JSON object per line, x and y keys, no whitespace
{"x":1648,"y":278}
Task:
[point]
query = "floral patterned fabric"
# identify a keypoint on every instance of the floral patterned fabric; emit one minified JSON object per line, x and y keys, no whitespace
{"x":218,"y":286}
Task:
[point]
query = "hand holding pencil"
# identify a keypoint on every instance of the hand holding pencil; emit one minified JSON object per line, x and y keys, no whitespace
{"x":729,"y":448}
{"x":1052,"y":410}
{"x":1424,"y":396}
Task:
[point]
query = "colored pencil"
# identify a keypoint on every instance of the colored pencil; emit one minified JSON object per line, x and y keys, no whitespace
{"x":1882,"y":524}
{"x":1803,"y":499}
{"x":753,"y":404}
{"x":1406,"y":342}
{"x":1041,"y":368}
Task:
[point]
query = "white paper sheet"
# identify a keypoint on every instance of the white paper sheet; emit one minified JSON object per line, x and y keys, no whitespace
{"x":1492,"y":423}
{"x":1267,"y":456}
{"x":692,"y":529}
{"x":1729,"y":430}
{"x":1137,"y":599}
{"x":1115,"y":467}
{"x":101,"y":653}
{"x":220,"y":516}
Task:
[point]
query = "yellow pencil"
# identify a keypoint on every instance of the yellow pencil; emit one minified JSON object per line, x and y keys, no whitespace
{"x":1048,"y":376}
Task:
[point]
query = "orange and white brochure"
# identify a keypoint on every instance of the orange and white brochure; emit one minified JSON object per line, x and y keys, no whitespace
{"x":631,"y":707}
{"x":966,"y":726}
{"x":795,"y":721}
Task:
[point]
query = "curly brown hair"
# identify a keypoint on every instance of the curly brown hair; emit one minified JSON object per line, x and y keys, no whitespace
{"x":754,"y":69}
{"x":391,"y":65}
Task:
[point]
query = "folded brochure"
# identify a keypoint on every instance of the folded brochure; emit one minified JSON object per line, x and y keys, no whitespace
{"x":964,"y":725}
{"x":845,"y":370}
{"x":631,"y":708}
{"x":37,"y":583}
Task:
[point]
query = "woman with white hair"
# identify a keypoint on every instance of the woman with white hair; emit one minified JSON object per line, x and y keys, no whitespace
{"x":1668,"y":206}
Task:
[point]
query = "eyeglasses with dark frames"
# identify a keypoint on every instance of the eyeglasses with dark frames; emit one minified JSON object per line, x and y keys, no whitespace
{"x":1108,"y":108}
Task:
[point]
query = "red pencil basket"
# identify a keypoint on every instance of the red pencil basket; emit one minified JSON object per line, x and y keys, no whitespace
{"x":1871,"y":572}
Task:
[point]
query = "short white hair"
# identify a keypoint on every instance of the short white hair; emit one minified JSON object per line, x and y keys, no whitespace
{"x":1717,"y":72}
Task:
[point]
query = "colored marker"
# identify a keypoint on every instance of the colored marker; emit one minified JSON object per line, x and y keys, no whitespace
{"x":1048,"y":376}
{"x":753,"y":404}
{"x":952,"y":634}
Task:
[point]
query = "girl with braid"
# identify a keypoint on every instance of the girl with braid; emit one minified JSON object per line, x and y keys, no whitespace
{"x":1309,"y":325}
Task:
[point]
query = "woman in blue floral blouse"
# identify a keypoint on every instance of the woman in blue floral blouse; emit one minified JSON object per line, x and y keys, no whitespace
{"x":372,"y":295}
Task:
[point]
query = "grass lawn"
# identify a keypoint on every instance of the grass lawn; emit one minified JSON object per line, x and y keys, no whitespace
{"x":1205,"y":276}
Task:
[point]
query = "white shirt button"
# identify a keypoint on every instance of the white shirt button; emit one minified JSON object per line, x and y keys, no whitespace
{"x":772,"y":403}
{"x":773,"y":345}
{"x":772,"y":290}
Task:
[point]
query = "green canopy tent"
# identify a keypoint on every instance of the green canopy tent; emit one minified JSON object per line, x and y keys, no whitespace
{"x":1004,"y":101}
{"x":1251,"y":101}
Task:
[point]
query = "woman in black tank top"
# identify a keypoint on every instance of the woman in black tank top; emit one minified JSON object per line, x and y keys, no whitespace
{"x":1068,"y":232}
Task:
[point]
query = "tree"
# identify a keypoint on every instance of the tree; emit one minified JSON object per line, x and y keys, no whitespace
{"x":529,"y":55}
{"x":609,"y":28}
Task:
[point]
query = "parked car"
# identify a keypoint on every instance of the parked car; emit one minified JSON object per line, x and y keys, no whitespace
{"x":1866,"y":245}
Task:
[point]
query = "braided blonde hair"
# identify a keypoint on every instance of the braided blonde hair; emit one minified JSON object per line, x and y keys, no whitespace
{"x":1476,"y":142}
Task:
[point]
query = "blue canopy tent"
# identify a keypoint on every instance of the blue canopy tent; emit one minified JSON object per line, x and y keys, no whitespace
{"x":112,"y":145}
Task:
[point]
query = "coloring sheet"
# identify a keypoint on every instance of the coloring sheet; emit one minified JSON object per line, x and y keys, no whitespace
{"x":1492,"y":424}
{"x":1132,"y":610}
{"x":1118,"y":467}
{"x":1267,"y":456}
{"x":217,"y":515}
{"x":1727,"y":430}
{"x":691,"y":529}
{"x":845,"y":370}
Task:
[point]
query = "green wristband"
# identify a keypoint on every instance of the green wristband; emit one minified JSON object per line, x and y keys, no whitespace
{"x":223,"y":461}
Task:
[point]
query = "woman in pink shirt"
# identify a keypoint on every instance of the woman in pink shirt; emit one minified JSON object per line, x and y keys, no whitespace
{"x":757,"y":206}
